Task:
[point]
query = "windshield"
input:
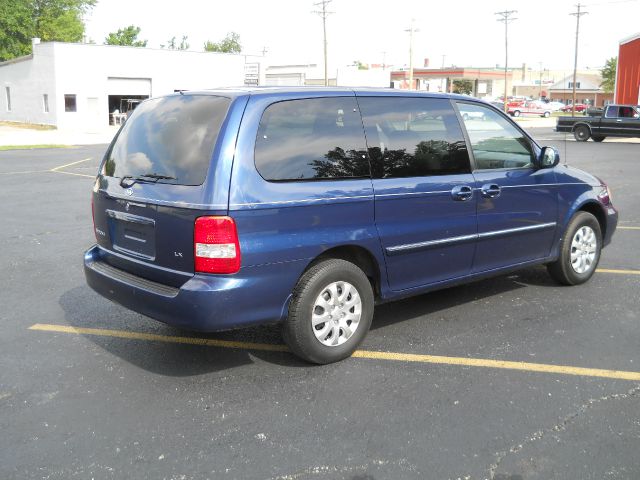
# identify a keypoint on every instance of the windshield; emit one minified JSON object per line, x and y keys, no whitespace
{"x":168,"y":140}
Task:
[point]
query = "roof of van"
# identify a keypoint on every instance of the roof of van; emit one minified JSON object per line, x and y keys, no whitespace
{"x":275,"y":91}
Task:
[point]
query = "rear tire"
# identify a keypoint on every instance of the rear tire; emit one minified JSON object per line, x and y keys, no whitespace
{"x":581,"y":133}
{"x":330,"y":312}
{"x":516,"y":113}
{"x":546,"y":114}
{"x":580,"y":249}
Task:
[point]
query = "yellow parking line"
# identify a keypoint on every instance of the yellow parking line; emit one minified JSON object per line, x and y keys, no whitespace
{"x":59,"y":168}
{"x":76,"y":174}
{"x":209,"y":342}
{"x":24,"y":172}
{"x":628,"y":228}
{"x":55,"y":169}
{"x":367,"y":354}
{"x":619,"y":272}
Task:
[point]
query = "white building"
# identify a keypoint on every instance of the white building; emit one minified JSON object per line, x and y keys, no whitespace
{"x":81,"y":85}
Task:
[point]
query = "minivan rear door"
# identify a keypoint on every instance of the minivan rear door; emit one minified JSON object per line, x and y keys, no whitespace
{"x":425,"y":206}
{"x":165,"y":168}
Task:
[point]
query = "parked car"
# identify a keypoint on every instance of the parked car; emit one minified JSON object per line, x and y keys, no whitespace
{"x":613,"y":121}
{"x":529,"y":108}
{"x":580,"y":107}
{"x":555,"y":106}
{"x":222,"y":209}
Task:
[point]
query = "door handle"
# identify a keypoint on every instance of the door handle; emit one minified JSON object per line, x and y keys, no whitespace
{"x":462,"y":193}
{"x":618,"y":120}
{"x":490,"y":190}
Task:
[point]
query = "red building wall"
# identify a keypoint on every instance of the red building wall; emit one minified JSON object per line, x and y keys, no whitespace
{"x":628,"y":78}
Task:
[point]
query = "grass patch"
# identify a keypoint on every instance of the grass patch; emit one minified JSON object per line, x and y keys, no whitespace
{"x":29,"y":147}
{"x":29,"y":126}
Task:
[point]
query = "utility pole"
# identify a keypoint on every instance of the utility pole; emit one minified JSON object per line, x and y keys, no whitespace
{"x":505,"y":17}
{"x":324,"y":14}
{"x":411,"y":31}
{"x":540,"y":84}
{"x":577,"y":14}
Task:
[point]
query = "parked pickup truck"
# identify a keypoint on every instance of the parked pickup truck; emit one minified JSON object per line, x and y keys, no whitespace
{"x":614,"y":121}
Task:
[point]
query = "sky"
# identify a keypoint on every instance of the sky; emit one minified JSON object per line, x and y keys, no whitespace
{"x":451,"y":32}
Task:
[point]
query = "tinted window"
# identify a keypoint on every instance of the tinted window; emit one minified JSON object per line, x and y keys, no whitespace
{"x":317,"y":138}
{"x":413,"y":137}
{"x":170,"y":136}
{"x":495,"y":142}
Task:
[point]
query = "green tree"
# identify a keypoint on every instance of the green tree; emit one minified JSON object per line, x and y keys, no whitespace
{"x":16,"y":27}
{"x":360,"y":65}
{"x":127,"y":36}
{"x":608,"y":73}
{"x":49,"y":20}
{"x":172,"y":45}
{"x":464,"y":87}
{"x":229,"y":44}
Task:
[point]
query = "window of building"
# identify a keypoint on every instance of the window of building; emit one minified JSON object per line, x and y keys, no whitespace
{"x":495,"y":142}
{"x":7,"y":91}
{"x":571,"y":84}
{"x":311,"y":139}
{"x":413,"y":137}
{"x":45,"y":103}
{"x":70,"y":103}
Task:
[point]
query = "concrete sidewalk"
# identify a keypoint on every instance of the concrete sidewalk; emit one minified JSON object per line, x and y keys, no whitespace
{"x":18,"y":136}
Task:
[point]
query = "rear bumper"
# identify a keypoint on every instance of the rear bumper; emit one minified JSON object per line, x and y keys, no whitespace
{"x":205,"y":302}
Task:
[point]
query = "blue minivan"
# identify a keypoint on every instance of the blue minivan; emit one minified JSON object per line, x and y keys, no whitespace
{"x":222,"y":209}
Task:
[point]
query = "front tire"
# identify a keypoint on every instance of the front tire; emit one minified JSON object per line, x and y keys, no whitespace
{"x":516,"y":113}
{"x":330,"y":312}
{"x":581,"y":133}
{"x":580,"y":249}
{"x":546,"y":114}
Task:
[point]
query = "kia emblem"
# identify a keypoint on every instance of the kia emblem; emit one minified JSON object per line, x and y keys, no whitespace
{"x":129,"y":191}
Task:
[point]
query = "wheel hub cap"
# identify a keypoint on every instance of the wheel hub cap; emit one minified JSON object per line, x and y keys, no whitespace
{"x":583,"y":250}
{"x":336,"y":313}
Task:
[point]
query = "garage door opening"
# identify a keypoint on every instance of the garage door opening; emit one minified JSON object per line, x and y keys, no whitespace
{"x":120,"y":106}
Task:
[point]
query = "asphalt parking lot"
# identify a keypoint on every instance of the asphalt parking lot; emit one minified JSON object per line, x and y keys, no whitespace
{"x":509,"y":378}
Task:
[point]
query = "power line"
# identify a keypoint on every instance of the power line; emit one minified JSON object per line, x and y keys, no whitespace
{"x":578,"y":13}
{"x":324,"y":14}
{"x":506,"y":17}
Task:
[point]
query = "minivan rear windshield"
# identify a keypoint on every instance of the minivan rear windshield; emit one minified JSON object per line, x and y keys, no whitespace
{"x":168,"y":140}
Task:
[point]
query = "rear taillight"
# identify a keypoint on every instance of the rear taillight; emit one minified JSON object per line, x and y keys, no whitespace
{"x":216,"y":245}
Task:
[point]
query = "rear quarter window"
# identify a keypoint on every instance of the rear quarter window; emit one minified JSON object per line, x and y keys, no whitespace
{"x":311,"y":139}
{"x":171,"y":136}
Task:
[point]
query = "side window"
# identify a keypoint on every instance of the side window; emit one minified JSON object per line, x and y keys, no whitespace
{"x":612,"y":112}
{"x":495,"y":142}
{"x":311,"y":139}
{"x":413,"y":137}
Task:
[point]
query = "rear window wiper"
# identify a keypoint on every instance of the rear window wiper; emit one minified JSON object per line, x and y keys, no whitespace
{"x":156,"y":177}
{"x":147,"y":177}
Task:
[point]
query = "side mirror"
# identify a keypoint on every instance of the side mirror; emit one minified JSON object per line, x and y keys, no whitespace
{"x":549,"y":157}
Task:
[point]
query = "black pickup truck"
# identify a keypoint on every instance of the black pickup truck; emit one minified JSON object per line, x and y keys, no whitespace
{"x":615,"y":121}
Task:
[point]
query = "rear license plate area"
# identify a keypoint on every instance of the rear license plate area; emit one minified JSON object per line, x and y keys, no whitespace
{"x":132,"y":234}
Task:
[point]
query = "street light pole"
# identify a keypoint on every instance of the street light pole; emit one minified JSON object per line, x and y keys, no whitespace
{"x":505,"y":17}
